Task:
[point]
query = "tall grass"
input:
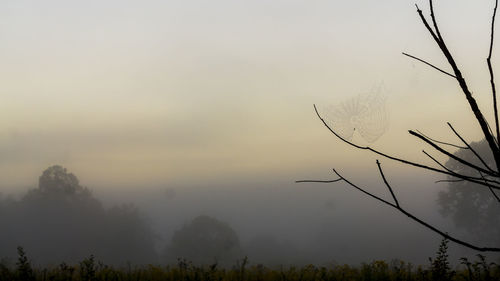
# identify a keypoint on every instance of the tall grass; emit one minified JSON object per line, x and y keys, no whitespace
{"x":90,"y":270}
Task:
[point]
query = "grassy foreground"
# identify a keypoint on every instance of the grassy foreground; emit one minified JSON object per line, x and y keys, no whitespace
{"x":90,"y":270}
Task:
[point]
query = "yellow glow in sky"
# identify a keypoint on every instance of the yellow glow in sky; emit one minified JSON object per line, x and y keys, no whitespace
{"x":127,"y":92}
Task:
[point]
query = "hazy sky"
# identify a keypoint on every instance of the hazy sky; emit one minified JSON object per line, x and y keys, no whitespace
{"x":166,"y":92}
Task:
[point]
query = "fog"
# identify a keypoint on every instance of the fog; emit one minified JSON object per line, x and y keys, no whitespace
{"x":276,"y":223}
{"x":188,"y":123}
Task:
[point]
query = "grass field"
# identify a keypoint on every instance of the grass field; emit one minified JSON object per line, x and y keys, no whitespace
{"x":91,"y":270}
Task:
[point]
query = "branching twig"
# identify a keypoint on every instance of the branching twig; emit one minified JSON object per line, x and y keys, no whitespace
{"x":442,"y":142}
{"x":491,"y":180}
{"x":469,"y":147}
{"x":414,"y":218}
{"x":487,"y":182}
{"x":451,"y":155}
{"x":410,"y":163}
{"x":461,"y":81}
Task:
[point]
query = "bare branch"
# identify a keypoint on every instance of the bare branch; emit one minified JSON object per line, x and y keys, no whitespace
{"x":421,"y":222}
{"x":442,"y":142}
{"x":469,"y":147}
{"x":494,"y":194}
{"x":491,"y":189}
{"x":434,"y":22}
{"x":488,"y":177}
{"x":426,"y":24}
{"x":487,"y":182}
{"x":318,"y":181}
{"x":490,"y":69}
{"x":439,"y":181}
{"x":437,"y":162}
{"x":463,"y":85}
{"x":451,"y":155}
{"x":410,"y":163}
{"x":364,"y":191}
{"x":429,"y":64}
{"x":387,"y":184}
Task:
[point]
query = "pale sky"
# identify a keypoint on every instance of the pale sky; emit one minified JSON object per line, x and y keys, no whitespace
{"x":166,"y":92}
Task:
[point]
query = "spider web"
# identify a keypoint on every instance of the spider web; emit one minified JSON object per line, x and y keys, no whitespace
{"x":364,"y":114}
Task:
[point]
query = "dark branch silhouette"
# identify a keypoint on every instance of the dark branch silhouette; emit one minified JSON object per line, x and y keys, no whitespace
{"x":488,"y":176}
{"x":439,"y":181}
{"x":461,"y":81}
{"x":476,"y":180}
{"x":490,"y":69}
{"x":397,"y":206}
{"x":469,"y":147}
{"x":441,"y":142}
{"x":318,"y":181}
{"x":429,"y":64}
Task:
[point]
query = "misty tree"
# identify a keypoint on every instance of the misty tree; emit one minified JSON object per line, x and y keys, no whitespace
{"x":56,"y":186}
{"x":471,"y":207}
{"x":62,"y":221}
{"x":485,"y":176}
{"x":205,"y":240}
{"x":56,"y":179}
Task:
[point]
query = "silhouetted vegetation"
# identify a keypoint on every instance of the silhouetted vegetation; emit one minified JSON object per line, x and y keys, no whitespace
{"x":61,"y":221}
{"x":470,"y":168}
{"x":91,"y":270}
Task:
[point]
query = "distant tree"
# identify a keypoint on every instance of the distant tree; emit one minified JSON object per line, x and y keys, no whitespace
{"x":62,"y":221}
{"x":57,"y":186}
{"x":56,"y":179}
{"x":471,"y":207}
{"x":485,"y":176}
{"x":205,"y":240}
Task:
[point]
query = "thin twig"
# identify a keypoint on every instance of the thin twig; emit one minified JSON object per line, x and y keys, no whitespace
{"x":436,"y":27}
{"x":440,"y":181}
{"x":442,"y":142}
{"x":463,"y":84}
{"x":491,"y":189}
{"x":494,"y":194}
{"x":451,"y":155}
{"x":410,"y":163}
{"x":490,"y":69}
{"x":437,"y":162}
{"x":421,"y":222}
{"x":487,"y":182}
{"x":469,"y":147}
{"x":318,"y":181}
{"x":387,"y":184}
{"x":429,"y":64}
{"x":364,"y":191}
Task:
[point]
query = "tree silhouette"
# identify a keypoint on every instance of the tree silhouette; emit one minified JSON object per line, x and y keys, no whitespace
{"x":62,"y":221}
{"x":205,"y":240}
{"x":471,"y":207}
{"x":485,"y":175}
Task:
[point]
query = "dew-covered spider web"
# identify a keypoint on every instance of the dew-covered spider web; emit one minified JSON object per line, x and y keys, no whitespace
{"x":364,"y":114}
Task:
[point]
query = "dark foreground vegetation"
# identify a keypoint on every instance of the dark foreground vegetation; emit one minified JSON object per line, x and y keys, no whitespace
{"x":91,"y":270}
